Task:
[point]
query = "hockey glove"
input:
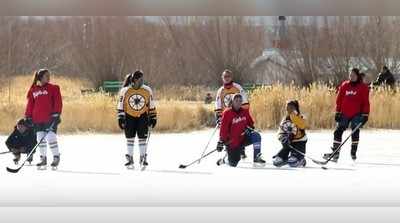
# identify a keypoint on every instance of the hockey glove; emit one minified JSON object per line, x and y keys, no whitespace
{"x":152,"y":121}
{"x":218,"y":118}
{"x":338,"y":116}
{"x":55,"y":118}
{"x":220,"y":145}
{"x":121,"y":122}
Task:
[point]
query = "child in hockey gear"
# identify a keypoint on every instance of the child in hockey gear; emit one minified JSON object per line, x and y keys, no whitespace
{"x":352,"y":108}
{"x":292,"y":134}
{"x":224,"y":97}
{"x":136,"y":113}
{"x":43,"y":110}
{"x":21,"y":140}
{"x":237,"y":132}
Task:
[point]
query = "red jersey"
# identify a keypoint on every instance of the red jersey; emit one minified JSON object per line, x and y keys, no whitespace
{"x":352,"y":99}
{"x":43,"y":101}
{"x":233,"y":125}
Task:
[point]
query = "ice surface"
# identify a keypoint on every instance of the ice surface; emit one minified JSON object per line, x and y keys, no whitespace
{"x":91,"y":173}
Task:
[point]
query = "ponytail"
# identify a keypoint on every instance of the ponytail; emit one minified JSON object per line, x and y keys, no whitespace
{"x":38,"y":75}
{"x":127,"y":80}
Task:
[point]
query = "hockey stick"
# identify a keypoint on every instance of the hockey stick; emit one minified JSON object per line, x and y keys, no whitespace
{"x":340,"y":146}
{"x":184,"y":166}
{"x":31,"y":153}
{"x":209,"y":141}
{"x":5,"y":152}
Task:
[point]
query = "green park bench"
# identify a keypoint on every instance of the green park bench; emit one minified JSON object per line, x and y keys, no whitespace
{"x":111,"y":86}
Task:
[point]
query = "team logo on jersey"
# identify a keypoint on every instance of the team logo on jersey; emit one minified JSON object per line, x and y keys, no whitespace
{"x":353,"y":93}
{"x":288,"y":127}
{"x":137,"y":102}
{"x":40,"y":92}
{"x":238,"y":119}
{"x":228,"y":99}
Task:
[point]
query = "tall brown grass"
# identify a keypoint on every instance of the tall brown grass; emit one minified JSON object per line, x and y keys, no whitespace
{"x":181,"y":108}
{"x":317,"y":103}
{"x":97,"y":112}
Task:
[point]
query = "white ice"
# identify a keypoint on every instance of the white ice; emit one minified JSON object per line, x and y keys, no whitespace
{"x":92,"y":173}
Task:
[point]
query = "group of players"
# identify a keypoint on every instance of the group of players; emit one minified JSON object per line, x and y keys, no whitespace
{"x":137,"y":116}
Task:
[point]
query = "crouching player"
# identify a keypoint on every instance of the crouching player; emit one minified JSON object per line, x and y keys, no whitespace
{"x":21,"y":140}
{"x":237,"y":132}
{"x":293,"y":138}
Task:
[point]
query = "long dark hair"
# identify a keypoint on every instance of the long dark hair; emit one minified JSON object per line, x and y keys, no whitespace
{"x":296,"y":105}
{"x":38,"y":75}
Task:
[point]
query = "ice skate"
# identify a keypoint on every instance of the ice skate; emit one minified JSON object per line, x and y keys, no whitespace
{"x":43,"y":163}
{"x":279,"y":162}
{"x":143,"y":162}
{"x":258,"y":161}
{"x":295,"y":162}
{"x":55,"y":163}
{"x":129,"y":164}
{"x":17,"y":157}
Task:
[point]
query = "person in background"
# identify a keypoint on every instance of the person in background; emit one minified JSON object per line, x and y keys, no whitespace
{"x":385,"y":78}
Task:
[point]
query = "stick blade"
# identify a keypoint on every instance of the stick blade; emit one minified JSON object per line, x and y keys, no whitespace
{"x":320,"y":162}
{"x":13,"y":170}
{"x":182,"y":166}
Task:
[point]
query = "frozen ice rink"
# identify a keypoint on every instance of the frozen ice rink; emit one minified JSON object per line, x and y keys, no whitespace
{"x":92,"y":173}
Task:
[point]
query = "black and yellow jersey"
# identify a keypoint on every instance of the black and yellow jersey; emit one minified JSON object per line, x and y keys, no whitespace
{"x":135,"y":102}
{"x":224,"y":96}
{"x":297,"y":124}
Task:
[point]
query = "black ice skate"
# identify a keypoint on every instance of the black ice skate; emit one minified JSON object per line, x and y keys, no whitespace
{"x":296,"y":163}
{"x":221,"y":161}
{"x":243,"y":155}
{"x":335,"y":157}
{"x":279,"y":162}
{"x":129,"y":164}
{"x":258,"y":161}
{"x":17,"y":157}
{"x":43,"y":163}
{"x":143,"y":162}
{"x":56,"y":161}
{"x":353,"y":154}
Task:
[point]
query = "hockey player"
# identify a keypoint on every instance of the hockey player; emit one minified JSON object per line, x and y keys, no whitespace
{"x":237,"y":132}
{"x":352,"y":108}
{"x":21,"y":140}
{"x":136,"y":113}
{"x":293,"y":138}
{"x":43,"y":110}
{"x":224,"y":96}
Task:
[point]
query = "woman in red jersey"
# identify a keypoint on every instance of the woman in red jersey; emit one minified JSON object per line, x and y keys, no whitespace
{"x":43,"y":110}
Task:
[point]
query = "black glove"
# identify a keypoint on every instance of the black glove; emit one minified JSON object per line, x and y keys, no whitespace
{"x":338,"y":116}
{"x":220,"y":145}
{"x":218,"y":118}
{"x":28,"y":122}
{"x":364,"y":119}
{"x":152,"y":121}
{"x":121,"y":122}
{"x":55,"y":120}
